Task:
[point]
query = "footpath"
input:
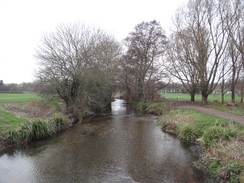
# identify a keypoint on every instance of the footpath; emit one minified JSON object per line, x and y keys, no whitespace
{"x":209,"y":111}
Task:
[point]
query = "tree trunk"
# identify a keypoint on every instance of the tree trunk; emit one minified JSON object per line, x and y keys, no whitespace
{"x":223,"y":89}
{"x":204,"y":99}
{"x":242,"y":94}
{"x":233,"y":96}
{"x":222,"y":97}
{"x":192,"y":97}
{"x":233,"y":92}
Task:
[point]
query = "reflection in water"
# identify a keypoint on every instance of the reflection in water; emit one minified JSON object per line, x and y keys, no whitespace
{"x":119,"y":148}
{"x":118,"y":107}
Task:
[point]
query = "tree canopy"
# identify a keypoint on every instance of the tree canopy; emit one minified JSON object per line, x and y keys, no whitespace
{"x":77,"y":64}
{"x":142,"y":74}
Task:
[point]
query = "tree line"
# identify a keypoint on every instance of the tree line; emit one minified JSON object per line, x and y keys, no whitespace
{"x":17,"y":88}
{"x":82,"y":66}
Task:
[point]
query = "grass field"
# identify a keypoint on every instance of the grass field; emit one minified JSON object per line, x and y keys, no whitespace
{"x":18,"y":98}
{"x":198,"y":97}
{"x":9,"y":121}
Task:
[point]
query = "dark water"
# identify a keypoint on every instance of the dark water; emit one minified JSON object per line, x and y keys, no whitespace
{"x":119,"y":148}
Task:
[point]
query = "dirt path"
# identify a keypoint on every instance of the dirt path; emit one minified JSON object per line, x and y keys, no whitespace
{"x":209,"y":111}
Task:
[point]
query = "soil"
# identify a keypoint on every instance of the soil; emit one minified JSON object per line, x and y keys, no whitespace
{"x":209,"y":111}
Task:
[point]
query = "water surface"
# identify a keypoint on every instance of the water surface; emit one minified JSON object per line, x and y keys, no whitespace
{"x":118,"y":148}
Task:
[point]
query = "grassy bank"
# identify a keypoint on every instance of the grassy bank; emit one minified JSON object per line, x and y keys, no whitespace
{"x":221,"y":140}
{"x":27,"y":117}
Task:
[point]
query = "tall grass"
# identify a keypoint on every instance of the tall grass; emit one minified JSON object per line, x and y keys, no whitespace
{"x":35,"y":130}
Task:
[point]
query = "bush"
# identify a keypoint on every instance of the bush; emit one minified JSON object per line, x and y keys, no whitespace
{"x":142,"y":107}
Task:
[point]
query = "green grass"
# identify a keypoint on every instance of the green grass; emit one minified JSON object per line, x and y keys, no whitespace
{"x":19,"y":99}
{"x":237,"y":110}
{"x":9,"y":121}
{"x":221,"y":140}
{"x":158,"y":108}
{"x":14,"y":129}
{"x":198,"y":97}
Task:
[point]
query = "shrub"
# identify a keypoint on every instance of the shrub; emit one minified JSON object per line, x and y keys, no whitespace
{"x":142,"y":107}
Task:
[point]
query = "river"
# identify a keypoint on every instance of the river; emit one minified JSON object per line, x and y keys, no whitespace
{"x":120,"y":147}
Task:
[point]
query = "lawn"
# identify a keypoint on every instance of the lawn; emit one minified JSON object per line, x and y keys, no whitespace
{"x":198,"y":97}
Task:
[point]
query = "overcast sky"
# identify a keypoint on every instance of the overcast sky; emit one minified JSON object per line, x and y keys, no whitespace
{"x":25,"y":22}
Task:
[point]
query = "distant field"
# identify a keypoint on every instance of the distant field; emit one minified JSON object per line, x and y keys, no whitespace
{"x":198,"y":97}
{"x":9,"y":121}
{"x":18,"y":98}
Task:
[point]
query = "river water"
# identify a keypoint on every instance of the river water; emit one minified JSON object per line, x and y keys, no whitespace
{"x":118,"y":148}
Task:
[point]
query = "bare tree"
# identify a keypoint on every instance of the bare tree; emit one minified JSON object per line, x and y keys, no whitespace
{"x":234,"y":17}
{"x":77,"y":64}
{"x":240,"y":86}
{"x":181,"y":56}
{"x":209,"y":36}
{"x":236,"y":68}
{"x":141,"y":67}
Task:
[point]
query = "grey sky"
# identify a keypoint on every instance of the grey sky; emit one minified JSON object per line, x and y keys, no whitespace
{"x":24,"y":22}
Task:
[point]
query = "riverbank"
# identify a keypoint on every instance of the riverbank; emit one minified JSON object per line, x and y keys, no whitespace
{"x":29,"y":119}
{"x":222,"y":141}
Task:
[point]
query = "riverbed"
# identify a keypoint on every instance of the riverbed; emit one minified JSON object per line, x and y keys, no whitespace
{"x":119,"y":147}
